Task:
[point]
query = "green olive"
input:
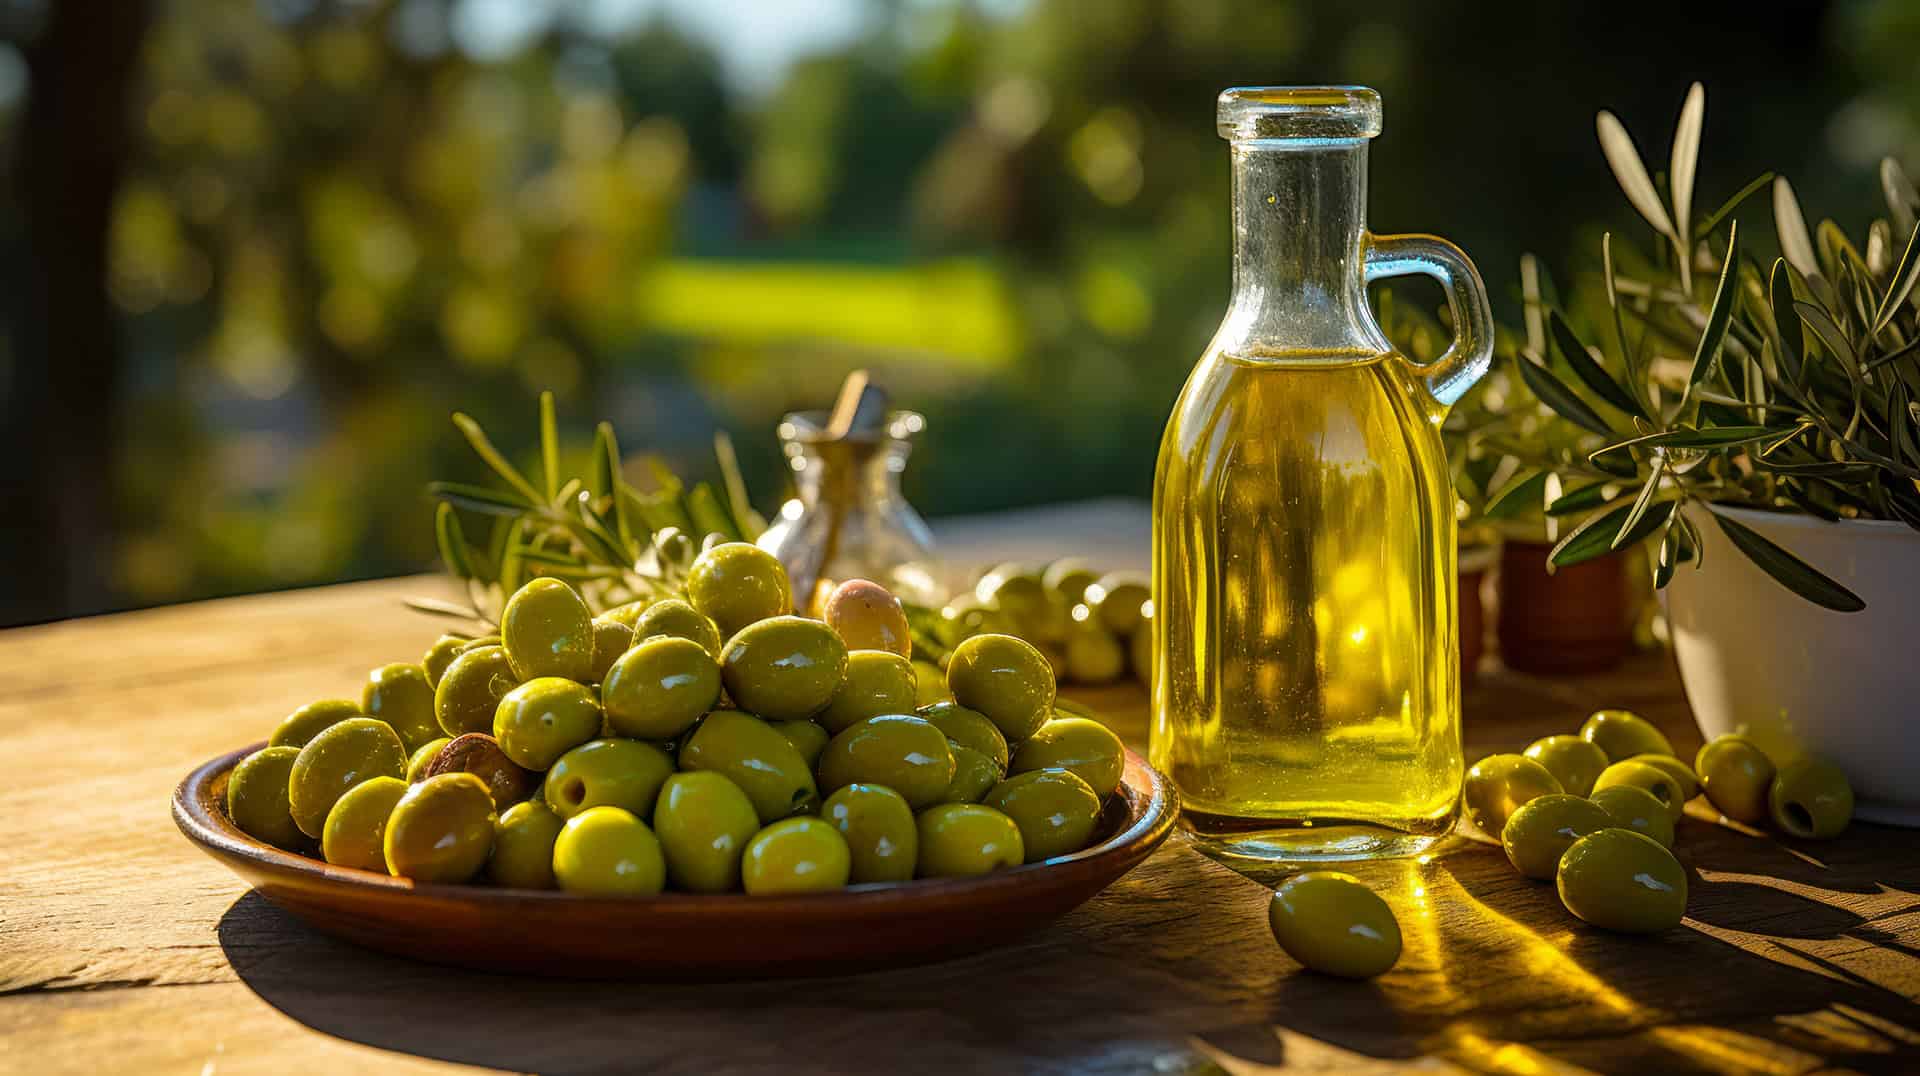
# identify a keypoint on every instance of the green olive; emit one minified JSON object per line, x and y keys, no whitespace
{"x":1541,"y":830}
{"x":965,"y":617}
{"x":481,"y":642}
{"x":423,"y":757}
{"x":471,"y":689}
{"x":1068,"y":578}
{"x":959,"y":840}
{"x":548,"y":631}
{"x":481,"y":755}
{"x":877,"y":682}
{"x":606,"y":851}
{"x":783,"y":667}
{"x":973,"y":774}
{"x":401,"y":695}
{"x":257,"y":797}
{"x":611,"y":639}
{"x":704,"y":823}
{"x":441,"y":654}
{"x":310,"y":720}
{"x":879,"y":829}
{"x":1622,"y":880}
{"x":1333,"y":924}
{"x":658,"y":689}
{"x":1117,"y":600}
{"x":1094,"y":656}
{"x":752,"y":754}
{"x":1623,"y":734}
{"x":867,"y":616}
{"x":356,"y":830}
{"x":675,"y":618}
{"x":1081,"y":744}
{"x":1634,"y":808}
{"x":1685,"y":781}
{"x":1006,"y":679}
{"x":1046,"y":623}
{"x":1055,"y":810}
{"x":1574,"y":762}
{"x":737,"y":584}
{"x":523,"y":839}
{"x":796,"y":855}
{"x":341,"y":756}
{"x":1651,"y":779}
{"x":807,"y":737}
{"x":930,"y":683}
{"x":545,"y":718}
{"x":441,"y":830}
{"x":614,"y":772}
{"x":1736,"y":775}
{"x":900,"y":751}
{"x":1811,"y":798}
{"x":968,"y":728}
{"x":1497,"y":785}
{"x":1016,"y":590}
{"x":629,"y":613}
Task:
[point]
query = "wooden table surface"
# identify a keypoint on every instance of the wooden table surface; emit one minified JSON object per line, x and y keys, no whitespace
{"x":123,"y":949}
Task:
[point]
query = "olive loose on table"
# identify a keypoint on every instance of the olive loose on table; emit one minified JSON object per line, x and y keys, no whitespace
{"x":1333,"y":924}
{"x":1541,"y":830}
{"x":1574,"y":762}
{"x":1811,"y":798}
{"x":1623,"y":734}
{"x":902,"y":752}
{"x":401,"y":695}
{"x":340,"y":757}
{"x":471,"y":689}
{"x":356,"y":829}
{"x":523,"y":839}
{"x":1006,"y":679}
{"x":606,"y":851}
{"x":441,"y":830}
{"x":308,"y":721}
{"x":1634,"y":808}
{"x":783,"y":667}
{"x":1686,"y":783}
{"x":1736,"y":775}
{"x":737,"y":584}
{"x":755,"y":756}
{"x":796,"y":855}
{"x":1117,"y":599}
{"x":881,"y":834}
{"x":658,"y":689}
{"x":1622,"y":880}
{"x":876,"y":682}
{"x":547,"y":630}
{"x":1080,"y":744}
{"x":867,"y":617}
{"x":257,"y":797}
{"x":959,"y":840}
{"x":1652,"y":779}
{"x":1054,"y":810}
{"x":1497,"y":785}
{"x":703,"y":822}
{"x":545,"y":718}
{"x":607,"y":773}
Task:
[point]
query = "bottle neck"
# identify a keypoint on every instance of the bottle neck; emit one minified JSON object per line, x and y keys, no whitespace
{"x":1299,"y":227}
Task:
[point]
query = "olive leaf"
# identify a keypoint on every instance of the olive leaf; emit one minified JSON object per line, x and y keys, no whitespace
{"x":452,"y":541}
{"x":1520,"y":493}
{"x":1791,"y":227}
{"x":1555,"y":394}
{"x":1604,"y":533}
{"x":1624,"y":159}
{"x":550,"y":447}
{"x":1686,"y":157}
{"x":1713,"y":219}
{"x":1725,"y":298}
{"x":1583,"y":498}
{"x":1589,"y":371}
{"x":1790,"y":571}
{"x":479,"y":498}
{"x":1904,"y":279}
{"x":483,"y":447}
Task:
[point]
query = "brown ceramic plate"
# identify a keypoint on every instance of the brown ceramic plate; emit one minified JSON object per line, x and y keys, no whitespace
{"x":676,"y":935}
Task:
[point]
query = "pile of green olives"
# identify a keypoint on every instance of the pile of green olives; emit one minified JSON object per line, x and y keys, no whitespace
{"x":1094,"y":627}
{"x":711,"y":744}
{"x":1596,"y":812}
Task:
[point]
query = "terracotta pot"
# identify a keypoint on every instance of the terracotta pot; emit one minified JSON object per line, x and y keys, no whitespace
{"x":1472,"y":573}
{"x":1577,"y":620}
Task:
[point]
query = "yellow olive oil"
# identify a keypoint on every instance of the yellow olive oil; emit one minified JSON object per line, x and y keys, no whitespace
{"x":1306,"y":690}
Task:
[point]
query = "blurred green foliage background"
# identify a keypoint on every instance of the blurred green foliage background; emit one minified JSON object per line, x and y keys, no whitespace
{"x":252,"y":252}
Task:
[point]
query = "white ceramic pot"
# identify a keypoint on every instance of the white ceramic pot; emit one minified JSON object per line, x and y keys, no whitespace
{"x":1761,"y":661}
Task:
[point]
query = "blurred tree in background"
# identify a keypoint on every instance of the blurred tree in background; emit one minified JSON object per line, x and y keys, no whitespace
{"x":256,"y":250}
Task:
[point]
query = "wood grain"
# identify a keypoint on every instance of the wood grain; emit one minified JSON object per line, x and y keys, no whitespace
{"x":123,"y":949}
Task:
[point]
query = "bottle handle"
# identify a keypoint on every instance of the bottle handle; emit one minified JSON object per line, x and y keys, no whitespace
{"x":1448,"y":377}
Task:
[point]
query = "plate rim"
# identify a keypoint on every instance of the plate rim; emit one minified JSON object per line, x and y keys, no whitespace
{"x":1146,"y":827}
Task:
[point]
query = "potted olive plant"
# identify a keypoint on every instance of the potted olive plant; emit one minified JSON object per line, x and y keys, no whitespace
{"x":1755,"y":422}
